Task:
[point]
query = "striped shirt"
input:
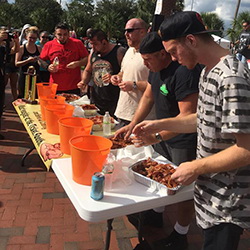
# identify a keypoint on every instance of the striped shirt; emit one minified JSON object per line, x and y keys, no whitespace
{"x":223,"y":109}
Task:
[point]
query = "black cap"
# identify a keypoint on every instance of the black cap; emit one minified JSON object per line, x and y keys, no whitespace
{"x":151,"y":43}
{"x":182,"y":24}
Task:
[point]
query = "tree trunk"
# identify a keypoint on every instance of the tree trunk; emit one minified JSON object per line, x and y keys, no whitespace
{"x":167,"y":7}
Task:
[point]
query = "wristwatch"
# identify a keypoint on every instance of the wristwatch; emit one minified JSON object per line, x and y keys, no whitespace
{"x":158,"y":137}
{"x":134,"y":85}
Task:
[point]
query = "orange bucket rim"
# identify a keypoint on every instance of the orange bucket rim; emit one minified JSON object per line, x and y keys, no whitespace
{"x":74,"y":118}
{"x":91,"y":150}
{"x":50,"y":106}
{"x":45,"y":84}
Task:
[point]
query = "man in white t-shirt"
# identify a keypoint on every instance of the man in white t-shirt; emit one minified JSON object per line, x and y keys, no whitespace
{"x":132,"y":79}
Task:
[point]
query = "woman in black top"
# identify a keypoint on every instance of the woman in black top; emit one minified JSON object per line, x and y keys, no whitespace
{"x":28,"y":56}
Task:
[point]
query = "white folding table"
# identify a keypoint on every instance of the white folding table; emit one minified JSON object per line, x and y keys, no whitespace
{"x":122,"y":200}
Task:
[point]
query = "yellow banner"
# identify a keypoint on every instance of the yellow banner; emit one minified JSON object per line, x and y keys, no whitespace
{"x":47,"y":145}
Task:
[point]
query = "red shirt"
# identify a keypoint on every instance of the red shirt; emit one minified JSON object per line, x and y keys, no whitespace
{"x":73,"y":50}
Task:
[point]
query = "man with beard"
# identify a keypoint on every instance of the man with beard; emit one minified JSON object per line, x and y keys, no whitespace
{"x":103,"y":61}
{"x":71,"y":54}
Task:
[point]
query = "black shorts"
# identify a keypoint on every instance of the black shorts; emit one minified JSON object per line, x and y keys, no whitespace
{"x":225,"y":236}
{"x":10,"y":68}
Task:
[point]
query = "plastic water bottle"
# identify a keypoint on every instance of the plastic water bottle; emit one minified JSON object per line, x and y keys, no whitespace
{"x":106,"y":124}
{"x":56,"y":63}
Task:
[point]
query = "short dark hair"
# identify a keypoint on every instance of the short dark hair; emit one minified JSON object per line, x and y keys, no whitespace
{"x":98,"y":33}
{"x":62,"y":26}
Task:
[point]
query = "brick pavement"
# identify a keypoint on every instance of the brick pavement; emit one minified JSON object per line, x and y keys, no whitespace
{"x":35,"y":212}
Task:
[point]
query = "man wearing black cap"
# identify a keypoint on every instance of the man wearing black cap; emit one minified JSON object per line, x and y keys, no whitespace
{"x":221,"y":172}
{"x":174,"y":90}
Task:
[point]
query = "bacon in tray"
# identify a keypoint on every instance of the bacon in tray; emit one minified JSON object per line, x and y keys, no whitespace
{"x":157,"y":171}
{"x":70,"y":97}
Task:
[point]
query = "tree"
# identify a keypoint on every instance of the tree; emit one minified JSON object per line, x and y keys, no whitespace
{"x":145,"y":10}
{"x":111,"y":16}
{"x":9,"y":15}
{"x":43,"y":13}
{"x":234,"y":32}
{"x":213,"y":22}
{"x":80,"y":15}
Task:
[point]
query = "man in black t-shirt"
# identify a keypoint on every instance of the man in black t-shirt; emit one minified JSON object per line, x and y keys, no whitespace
{"x":173,"y":89}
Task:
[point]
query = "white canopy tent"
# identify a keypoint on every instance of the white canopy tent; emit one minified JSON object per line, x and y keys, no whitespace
{"x":222,"y":41}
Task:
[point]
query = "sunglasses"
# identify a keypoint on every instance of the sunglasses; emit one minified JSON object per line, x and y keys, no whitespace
{"x":45,"y":37}
{"x":131,"y":30}
{"x":33,"y":38}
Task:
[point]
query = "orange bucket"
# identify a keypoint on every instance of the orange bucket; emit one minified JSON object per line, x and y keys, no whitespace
{"x":49,"y":100}
{"x":45,"y":89}
{"x":88,"y":154}
{"x":53,"y":113}
{"x":70,"y":127}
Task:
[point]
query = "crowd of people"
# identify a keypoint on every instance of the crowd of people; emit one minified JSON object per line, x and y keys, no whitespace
{"x":175,"y":89}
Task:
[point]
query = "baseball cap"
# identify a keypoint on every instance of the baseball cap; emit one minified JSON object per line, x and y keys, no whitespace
{"x":182,"y":24}
{"x":151,"y":43}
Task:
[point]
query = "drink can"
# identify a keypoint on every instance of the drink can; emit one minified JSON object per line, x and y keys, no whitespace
{"x":97,"y":186}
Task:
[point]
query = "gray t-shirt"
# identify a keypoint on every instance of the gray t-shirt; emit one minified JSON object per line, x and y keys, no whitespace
{"x":223,"y":110}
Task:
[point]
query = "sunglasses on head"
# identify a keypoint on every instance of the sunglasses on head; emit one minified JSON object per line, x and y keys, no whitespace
{"x":131,"y":30}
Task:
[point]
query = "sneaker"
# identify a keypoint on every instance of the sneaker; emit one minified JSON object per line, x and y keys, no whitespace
{"x":147,"y":218}
{"x":174,"y":241}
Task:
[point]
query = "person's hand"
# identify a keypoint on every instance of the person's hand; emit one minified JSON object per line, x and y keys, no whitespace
{"x":106,"y":78}
{"x":72,"y":65}
{"x":15,"y":37}
{"x":32,"y":59}
{"x":144,"y":140}
{"x":185,"y":174}
{"x":115,"y":79}
{"x":52,"y":68}
{"x":146,"y":127}
{"x":124,"y":132}
{"x":82,"y":86}
{"x":126,"y":86}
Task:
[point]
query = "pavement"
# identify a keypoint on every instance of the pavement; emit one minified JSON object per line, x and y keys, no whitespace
{"x":35,"y":212}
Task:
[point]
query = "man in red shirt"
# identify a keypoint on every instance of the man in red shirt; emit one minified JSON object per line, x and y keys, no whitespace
{"x":71,"y":54}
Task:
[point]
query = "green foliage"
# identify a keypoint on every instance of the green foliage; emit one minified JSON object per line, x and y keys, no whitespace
{"x":236,"y":24}
{"x":145,"y":10}
{"x":43,"y":13}
{"x":111,"y":16}
{"x":213,"y":22}
{"x":79,"y":15}
{"x":9,"y":15}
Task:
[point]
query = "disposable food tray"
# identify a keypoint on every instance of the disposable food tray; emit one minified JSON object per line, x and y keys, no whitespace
{"x":146,"y":181}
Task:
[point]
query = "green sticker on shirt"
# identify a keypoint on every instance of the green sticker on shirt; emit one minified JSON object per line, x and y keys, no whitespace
{"x":163,"y":89}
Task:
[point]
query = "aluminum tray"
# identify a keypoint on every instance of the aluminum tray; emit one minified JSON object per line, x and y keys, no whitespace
{"x":155,"y":185}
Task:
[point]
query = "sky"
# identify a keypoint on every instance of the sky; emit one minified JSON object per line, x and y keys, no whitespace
{"x":224,"y":8}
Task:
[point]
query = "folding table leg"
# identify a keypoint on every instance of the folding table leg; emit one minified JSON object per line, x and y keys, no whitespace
{"x":26,"y":154}
{"x":108,"y":234}
{"x":140,"y":226}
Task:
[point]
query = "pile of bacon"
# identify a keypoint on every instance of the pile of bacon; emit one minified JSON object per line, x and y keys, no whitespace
{"x":98,"y":119}
{"x":156,"y":171}
{"x":70,"y":97}
{"x":120,"y":142}
{"x":88,"y":106}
